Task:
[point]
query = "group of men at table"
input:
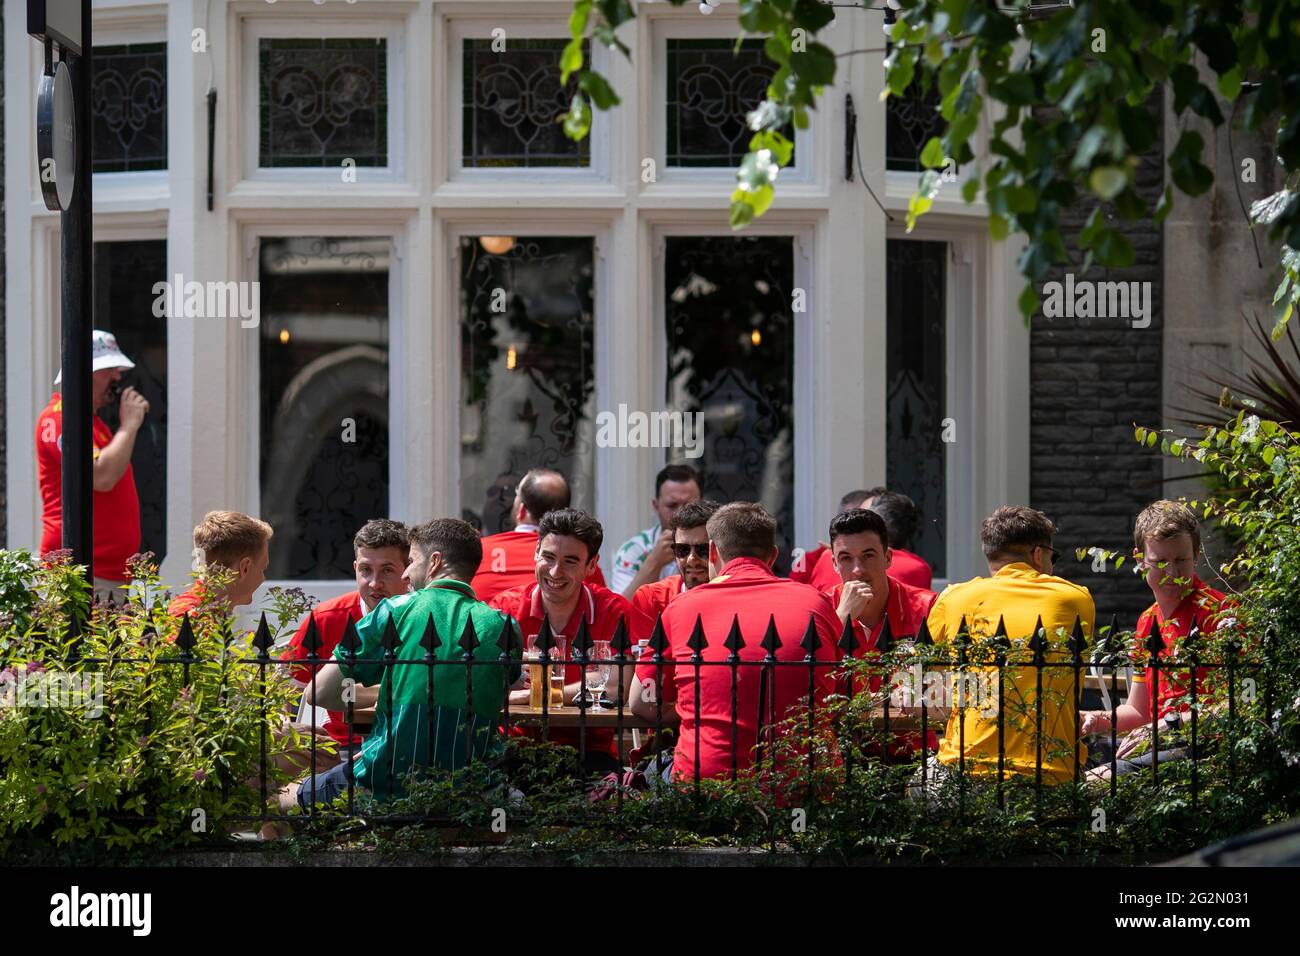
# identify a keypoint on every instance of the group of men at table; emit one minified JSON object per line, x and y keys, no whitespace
{"x":720,"y":581}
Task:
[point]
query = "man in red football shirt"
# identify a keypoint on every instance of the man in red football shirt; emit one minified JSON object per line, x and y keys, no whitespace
{"x":236,"y":542}
{"x":868,"y":593}
{"x":691,"y":550}
{"x":805,"y":564}
{"x":115,"y":502}
{"x":381,"y":550}
{"x":563,"y":593}
{"x":901,"y":517}
{"x":510,"y":558}
{"x":744,"y":591}
{"x":1167,"y":545}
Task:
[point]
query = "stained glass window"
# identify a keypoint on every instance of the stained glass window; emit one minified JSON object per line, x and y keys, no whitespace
{"x":910,"y":121}
{"x":916,"y":344}
{"x":324,"y":398}
{"x":730,"y":334}
{"x":527,"y":369}
{"x":711,"y":87}
{"x":323,"y":101}
{"x":128,"y":105}
{"x":512,"y":104}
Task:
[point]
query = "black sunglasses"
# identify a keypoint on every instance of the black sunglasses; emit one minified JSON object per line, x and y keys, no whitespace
{"x":683,"y":551}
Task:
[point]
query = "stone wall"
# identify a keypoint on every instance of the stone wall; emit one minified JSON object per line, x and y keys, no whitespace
{"x":1091,"y":379}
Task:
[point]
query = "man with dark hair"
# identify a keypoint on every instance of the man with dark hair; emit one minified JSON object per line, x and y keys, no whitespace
{"x":379,"y":552}
{"x":817,"y":567}
{"x":563,"y":593}
{"x":415,"y":729}
{"x":743,"y":591}
{"x":1021,"y":591}
{"x":691,"y":549}
{"x":648,"y":555}
{"x":867,"y":592}
{"x":509,"y":557}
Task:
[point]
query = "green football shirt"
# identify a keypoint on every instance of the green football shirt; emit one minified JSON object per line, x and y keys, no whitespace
{"x":427,"y":714}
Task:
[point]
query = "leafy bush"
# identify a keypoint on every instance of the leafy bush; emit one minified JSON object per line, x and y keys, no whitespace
{"x":118,"y":737}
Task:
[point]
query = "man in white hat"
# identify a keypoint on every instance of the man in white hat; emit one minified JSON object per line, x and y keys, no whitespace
{"x":116,"y":502}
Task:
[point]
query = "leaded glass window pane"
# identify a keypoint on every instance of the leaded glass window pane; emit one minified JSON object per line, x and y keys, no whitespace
{"x":527,"y":369}
{"x":125,"y":273}
{"x":512,"y":105}
{"x":128,"y":105}
{"x":916,"y":366}
{"x":910,"y":121}
{"x":323,"y":101}
{"x":711,"y":87}
{"x":324,"y":398}
{"x":730,"y":333}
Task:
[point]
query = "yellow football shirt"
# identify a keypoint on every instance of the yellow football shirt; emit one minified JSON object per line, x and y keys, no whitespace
{"x":1018,"y":595}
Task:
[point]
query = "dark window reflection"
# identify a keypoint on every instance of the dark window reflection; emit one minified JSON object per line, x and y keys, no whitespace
{"x":125,"y":273}
{"x":128,"y":103}
{"x":324,"y":399}
{"x":513,"y":103}
{"x":917,"y":371}
{"x":711,"y":86}
{"x":323,"y":101}
{"x":910,"y":121}
{"x":527,"y":369}
{"x":731,"y":357}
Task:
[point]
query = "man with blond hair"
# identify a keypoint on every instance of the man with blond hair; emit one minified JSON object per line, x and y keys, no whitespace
{"x":236,"y":542}
{"x":1167,"y":546}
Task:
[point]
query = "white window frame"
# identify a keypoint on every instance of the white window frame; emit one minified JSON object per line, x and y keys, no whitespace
{"x":685,"y":23}
{"x":802,"y":234}
{"x":247,"y":355}
{"x":459,"y":29}
{"x":304,"y":182}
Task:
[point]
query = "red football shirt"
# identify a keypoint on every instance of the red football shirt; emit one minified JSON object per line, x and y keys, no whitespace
{"x":652,"y":598}
{"x":1206,"y":609}
{"x":332,"y":618}
{"x":748,"y":592}
{"x":602,"y":609}
{"x":906,"y":608}
{"x":905,"y":567}
{"x":116,"y":511}
{"x":510,"y":561}
{"x":810,"y":558}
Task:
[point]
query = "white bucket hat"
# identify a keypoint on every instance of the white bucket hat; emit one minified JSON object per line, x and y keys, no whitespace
{"x":104,"y":354}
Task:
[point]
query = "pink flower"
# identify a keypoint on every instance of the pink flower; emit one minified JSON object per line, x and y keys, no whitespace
{"x":142,"y":741}
{"x":40,"y":788}
{"x":200,"y":776}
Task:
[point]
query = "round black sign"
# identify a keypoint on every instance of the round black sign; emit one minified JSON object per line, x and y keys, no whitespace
{"x":56,"y":138}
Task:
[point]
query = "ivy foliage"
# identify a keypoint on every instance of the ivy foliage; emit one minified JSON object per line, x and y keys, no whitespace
{"x":1066,"y":88}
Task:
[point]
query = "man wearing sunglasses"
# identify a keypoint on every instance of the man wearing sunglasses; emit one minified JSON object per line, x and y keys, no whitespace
{"x":691,"y":549}
{"x":1021,"y":591}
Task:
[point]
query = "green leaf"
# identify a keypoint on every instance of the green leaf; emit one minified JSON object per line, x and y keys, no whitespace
{"x":932,"y":155}
{"x":1189,"y":173}
{"x":970,"y":189}
{"x":1028,"y":301}
{"x":1165,"y":204}
{"x":1113,"y":249}
{"x":571,"y":59}
{"x":1230,"y":83}
{"x":1107,"y":181}
{"x":596,"y":86}
{"x":816,"y":65}
{"x":577,"y":122}
{"x":1015,"y":89}
{"x":998,"y":227}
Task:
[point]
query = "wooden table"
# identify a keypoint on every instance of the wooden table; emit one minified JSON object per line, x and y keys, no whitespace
{"x":567,"y":716}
